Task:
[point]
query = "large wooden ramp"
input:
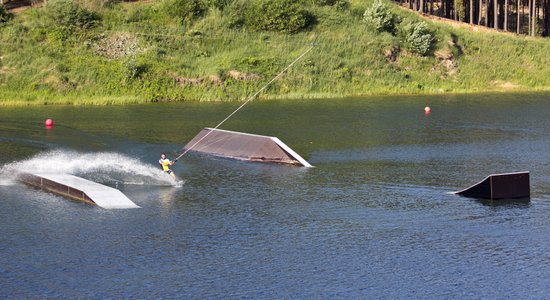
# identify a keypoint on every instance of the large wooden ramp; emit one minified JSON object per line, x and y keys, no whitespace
{"x":79,"y":189}
{"x":244,"y":146}
{"x":500,"y":186}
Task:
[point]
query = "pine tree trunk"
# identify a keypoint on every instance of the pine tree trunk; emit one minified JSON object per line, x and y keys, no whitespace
{"x":495,"y":14}
{"x":534,"y":21}
{"x":529,"y":18}
{"x":480,"y":12}
{"x":454,"y":10}
{"x":518,"y":18}
{"x":487,"y":4}
{"x":546,"y":18}
{"x":471,"y":11}
{"x":505,"y":15}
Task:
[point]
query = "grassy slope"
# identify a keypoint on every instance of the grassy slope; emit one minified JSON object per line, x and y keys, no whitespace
{"x":37,"y":66}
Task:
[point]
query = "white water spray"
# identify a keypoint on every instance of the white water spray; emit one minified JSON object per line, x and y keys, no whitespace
{"x":105,"y":167}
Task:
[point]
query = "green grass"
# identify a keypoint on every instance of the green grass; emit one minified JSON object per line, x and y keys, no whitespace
{"x":40,"y":65}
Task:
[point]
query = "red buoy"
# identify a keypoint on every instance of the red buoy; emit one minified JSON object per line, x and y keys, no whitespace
{"x":427,"y":109}
{"x":49,"y":123}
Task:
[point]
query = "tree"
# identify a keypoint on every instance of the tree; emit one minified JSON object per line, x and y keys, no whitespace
{"x":529,"y":18}
{"x":546,"y":18}
{"x":487,"y":9}
{"x":479,"y":16}
{"x":534,"y":18}
{"x":518,"y":18}
{"x":495,"y":14}
{"x":380,"y":17}
{"x":471,"y":11}
{"x":505,"y":15}
{"x":417,"y":37}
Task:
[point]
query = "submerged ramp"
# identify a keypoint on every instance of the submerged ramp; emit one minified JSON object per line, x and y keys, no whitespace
{"x":79,"y":189}
{"x":244,"y":146}
{"x":500,"y":186}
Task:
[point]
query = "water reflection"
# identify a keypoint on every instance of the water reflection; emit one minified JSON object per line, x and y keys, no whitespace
{"x":506,"y":203}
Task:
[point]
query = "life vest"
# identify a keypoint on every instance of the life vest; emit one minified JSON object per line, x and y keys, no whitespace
{"x":165,"y":164}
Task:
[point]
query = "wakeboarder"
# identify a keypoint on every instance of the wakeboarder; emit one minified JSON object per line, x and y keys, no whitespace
{"x":165,"y":163}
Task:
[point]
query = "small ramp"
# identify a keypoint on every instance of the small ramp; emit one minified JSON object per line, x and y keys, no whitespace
{"x":244,"y":146}
{"x":500,"y":186}
{"x":79,"y":189}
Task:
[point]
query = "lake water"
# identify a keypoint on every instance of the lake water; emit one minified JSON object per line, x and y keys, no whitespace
{"x":373,"y":219}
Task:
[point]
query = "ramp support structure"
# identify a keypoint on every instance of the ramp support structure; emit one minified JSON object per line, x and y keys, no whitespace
{"x":500,"y":186}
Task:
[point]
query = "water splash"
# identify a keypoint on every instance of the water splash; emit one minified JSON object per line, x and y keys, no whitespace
{"x":104,"y":167}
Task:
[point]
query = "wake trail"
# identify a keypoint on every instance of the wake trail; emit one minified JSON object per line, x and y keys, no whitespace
{"x":104,"y":167}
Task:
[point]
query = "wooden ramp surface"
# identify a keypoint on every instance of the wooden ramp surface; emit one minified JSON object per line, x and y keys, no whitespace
{"x":80,"y":189}
{"x":244,"y":146}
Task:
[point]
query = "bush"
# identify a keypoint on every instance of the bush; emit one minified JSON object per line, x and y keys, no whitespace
{"x":5,"y":15}
{"x":380,"y":17}
{"x":279,"y":16}
{"x":139,"y":14}
{"x":69,"y":15}
{"x":219,"y":4}
{"x":340,"y":4}
{"x":96,"y":5}
{"x":417,"y":38}
{"x":234,"y":13}
{"x":133,"y":69}
{"x":187,"y":10}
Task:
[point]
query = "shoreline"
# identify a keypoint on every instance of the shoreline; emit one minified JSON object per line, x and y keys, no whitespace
{"x":132,"y":100}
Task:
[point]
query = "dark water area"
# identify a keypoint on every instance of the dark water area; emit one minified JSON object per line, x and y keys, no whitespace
{"x":373,"y":219}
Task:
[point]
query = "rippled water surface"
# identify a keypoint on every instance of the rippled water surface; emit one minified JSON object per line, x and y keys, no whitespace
{"x":373,"y":219}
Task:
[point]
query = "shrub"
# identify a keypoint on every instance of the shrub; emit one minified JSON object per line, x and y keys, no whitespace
{"x":278,"y":15}
{"x":95,"y":5}
{"x":5,"y":15}
{"x":187,"y":10}
{"x":139,"y":14}
{"x":340,"y":4}
{"x":69,"y":15}
{"x":380,"y":17}
{"x":417,"y":38}
{"x":133,"y":69}
{"x":219,"y":4}
{"x":234,"y":13}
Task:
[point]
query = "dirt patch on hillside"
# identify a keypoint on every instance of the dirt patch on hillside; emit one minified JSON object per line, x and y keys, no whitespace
{"x":194,"y":81}
{"x":446,"y":63}
{"x":505,"y":85}
{"x":215,"y":79}
{"x":117,"y":45}
{"x":242,"y":76}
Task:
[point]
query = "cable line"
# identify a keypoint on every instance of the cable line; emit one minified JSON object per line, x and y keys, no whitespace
{"x":313,"y":45}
